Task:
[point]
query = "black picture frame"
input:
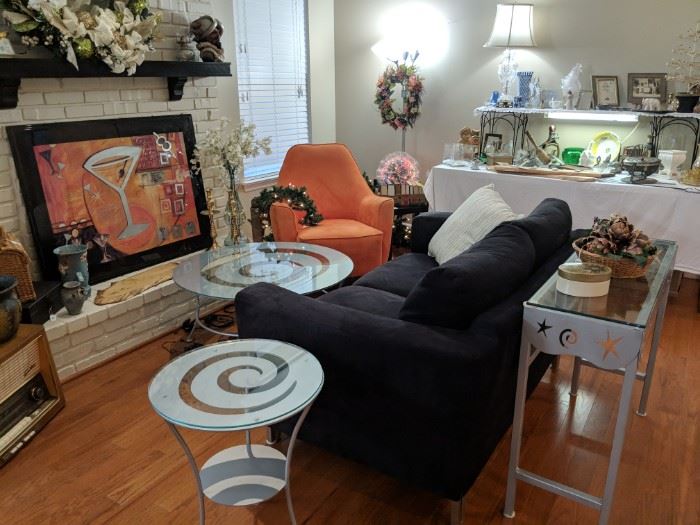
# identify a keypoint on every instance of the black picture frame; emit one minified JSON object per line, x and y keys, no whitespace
{"x":646,"y":85}
{"x":22,"y":140}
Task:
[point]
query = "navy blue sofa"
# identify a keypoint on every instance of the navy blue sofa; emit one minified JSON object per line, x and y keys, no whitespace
{"x":420,"y":360}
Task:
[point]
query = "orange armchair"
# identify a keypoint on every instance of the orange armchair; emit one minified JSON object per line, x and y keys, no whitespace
{"x":356,"y":221}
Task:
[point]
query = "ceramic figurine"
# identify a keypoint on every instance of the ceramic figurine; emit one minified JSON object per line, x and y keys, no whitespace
{"x":73,"y":297}
{"x":569,"y":100}
{"x":651,"y":104}
{"x":207,"y":32}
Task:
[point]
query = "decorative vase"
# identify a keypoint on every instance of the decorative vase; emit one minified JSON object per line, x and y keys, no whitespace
{"x":10,"y":308}
{"x":686,"y":102}
{"x":73,"y":296}
{"x":524,"y":79}
{"x":236,"y":213}
{"x":73,"y":265}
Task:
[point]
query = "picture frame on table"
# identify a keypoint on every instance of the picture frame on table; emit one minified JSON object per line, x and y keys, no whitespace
{"x":606,"y":91}
{"x":646,"y":85}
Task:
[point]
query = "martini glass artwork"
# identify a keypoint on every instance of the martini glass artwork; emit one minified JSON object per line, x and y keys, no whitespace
{"x":114,"y":166}
{"x":101,"y":241}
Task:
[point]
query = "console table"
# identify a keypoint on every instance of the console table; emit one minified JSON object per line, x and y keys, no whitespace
{"x":606,"y":332}
{"x":663,"y":212}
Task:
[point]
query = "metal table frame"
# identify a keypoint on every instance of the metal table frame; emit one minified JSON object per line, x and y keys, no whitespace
{"x":287,"y":467}
{"x":584,"y":337}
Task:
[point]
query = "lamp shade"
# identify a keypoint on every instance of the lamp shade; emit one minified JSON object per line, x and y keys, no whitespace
{"x":512,"y":27}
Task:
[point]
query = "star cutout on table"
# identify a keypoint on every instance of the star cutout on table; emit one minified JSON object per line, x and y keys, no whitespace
{"x":543,"y":327}
{"x":609,"y":346}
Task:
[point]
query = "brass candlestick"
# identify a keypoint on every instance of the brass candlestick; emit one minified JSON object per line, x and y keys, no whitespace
{"x":211,"y":212}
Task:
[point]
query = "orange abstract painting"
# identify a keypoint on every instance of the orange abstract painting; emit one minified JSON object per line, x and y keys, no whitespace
{"x":132,"y":193}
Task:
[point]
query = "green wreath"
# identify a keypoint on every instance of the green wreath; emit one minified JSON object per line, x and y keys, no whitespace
{"x":412,"y":87}
{"x":297,"y":198}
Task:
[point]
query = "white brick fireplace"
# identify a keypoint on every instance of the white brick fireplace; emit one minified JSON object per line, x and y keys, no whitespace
{"x":100,"y":333}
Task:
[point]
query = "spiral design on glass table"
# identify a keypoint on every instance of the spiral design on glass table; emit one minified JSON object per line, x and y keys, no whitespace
{"x":249,"y":373}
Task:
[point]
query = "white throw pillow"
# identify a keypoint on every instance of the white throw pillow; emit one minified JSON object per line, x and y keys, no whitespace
{"x":472,"y":221}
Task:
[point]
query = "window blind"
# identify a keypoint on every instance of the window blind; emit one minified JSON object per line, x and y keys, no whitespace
{"x":272,"y":70}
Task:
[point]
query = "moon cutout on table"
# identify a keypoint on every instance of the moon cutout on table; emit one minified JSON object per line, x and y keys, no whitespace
{"x":568,"y":338}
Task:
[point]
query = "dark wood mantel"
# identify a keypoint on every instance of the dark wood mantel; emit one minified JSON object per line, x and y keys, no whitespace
{"x":13,"y":70}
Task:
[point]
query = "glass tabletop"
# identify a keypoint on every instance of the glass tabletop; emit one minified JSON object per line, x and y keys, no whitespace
{"x":630,"y":301}
{"x":299,"y":267}
{"x":236,"y":385}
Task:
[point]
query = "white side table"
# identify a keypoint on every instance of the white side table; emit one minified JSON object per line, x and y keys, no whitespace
{"x":604,"y":332}
{"x":238,"y":385}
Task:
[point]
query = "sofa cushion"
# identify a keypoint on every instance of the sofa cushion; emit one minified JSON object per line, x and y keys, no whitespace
{"x":548,"y":226}
{"x":399,"y":275}
{"x":365,"y":299}
{"x":455,"y":292}
{"x":480,"y":213}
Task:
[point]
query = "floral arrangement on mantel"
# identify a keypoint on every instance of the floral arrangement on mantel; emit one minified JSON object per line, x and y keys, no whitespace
{"x":405,"y":74}
{"x":77,"y":29}
{"x":616,"y":243}
{"x":224,"y":150}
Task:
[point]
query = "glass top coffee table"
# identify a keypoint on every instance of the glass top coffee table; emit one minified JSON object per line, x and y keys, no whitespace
{"x":238,"y":386}
{"x":223,"y":272}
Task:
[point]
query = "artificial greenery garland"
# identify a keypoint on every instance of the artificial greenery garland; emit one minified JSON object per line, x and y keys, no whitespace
{"x":297,"y":198}
{"x":405,"y":74}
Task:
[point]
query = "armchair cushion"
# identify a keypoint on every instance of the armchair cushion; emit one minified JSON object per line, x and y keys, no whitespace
{"x":399,"y":275}
{"x":455,"y":292}
{"x":360,"y":242}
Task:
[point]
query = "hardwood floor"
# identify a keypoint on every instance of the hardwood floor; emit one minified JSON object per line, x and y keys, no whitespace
{"x":107,"y":458}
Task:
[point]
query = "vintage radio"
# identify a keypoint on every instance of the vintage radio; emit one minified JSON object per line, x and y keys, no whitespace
{"x":30,"y":393}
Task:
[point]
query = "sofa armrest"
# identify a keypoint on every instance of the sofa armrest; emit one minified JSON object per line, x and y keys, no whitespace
{"x":378,"y":212}
{"x":424,"y":227}
{"x":285,"y":225}
{"x":434,"y":369}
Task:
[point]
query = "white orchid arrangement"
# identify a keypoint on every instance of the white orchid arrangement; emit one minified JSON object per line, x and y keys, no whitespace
{"x":120,"y":37}
{"x":225,"y":149}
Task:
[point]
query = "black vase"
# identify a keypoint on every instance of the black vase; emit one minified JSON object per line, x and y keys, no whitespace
{"x":686,"y":102}
{"x":10,"y":308}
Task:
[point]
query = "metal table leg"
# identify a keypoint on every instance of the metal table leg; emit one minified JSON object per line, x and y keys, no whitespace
{"x":618,"y":440}
{"x":195,"y":470}
{"x":516,"y":438}
{"x":658,"y":326}
{"x":288,"y":464}
{"x":575,"y":376}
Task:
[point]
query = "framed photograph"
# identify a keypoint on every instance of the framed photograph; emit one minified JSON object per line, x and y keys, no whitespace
{"x":85,"y":178}
{"x":646,"y":85}
{"x":494,"y":140}
{"x":606,"y":91}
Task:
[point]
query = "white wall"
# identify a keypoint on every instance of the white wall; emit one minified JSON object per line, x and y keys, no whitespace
{"x":611,"y":37}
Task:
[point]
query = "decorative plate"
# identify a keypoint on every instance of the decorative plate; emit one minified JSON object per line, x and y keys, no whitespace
{"x":605,"y":143}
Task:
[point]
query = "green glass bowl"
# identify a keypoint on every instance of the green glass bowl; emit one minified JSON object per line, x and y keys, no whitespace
{"x":571,"y":155}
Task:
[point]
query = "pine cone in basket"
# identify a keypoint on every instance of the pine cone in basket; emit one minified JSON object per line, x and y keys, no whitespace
{"x":616,"y":237}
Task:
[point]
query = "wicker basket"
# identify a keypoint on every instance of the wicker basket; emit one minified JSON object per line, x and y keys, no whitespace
{"x":15,"y":261}
{"x":621,"y":268}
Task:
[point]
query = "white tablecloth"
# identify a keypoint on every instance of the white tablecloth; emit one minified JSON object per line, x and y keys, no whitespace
{"x":661,"y":212}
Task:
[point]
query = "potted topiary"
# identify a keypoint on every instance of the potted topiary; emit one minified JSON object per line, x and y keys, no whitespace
{"x":615,"y":243}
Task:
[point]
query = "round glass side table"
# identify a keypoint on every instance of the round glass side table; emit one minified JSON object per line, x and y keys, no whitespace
{"x":223,"y":272}
{"x":238,"y":386}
